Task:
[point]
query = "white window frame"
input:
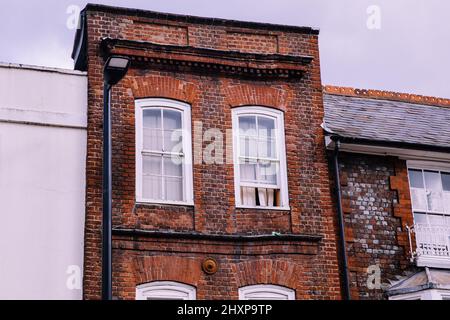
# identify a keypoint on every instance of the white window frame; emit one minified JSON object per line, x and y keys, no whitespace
{"x":281,"y":145}
{"x":428,"y":166}
{"x":140,"y":106}
{"x":266,"y":292}
{"x":424,"y":259}
{"x":165,"y":290}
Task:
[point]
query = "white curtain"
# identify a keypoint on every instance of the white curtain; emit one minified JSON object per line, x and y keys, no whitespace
{"x":248,"y":196}
{"x":266,"y":197}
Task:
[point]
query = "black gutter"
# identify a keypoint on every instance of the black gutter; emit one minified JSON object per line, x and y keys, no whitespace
{"x":107,"y":197}
{"x":216,"y":237}
{"x":342,"y":242}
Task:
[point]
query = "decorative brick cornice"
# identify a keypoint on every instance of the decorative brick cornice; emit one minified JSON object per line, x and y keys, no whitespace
{"x":387,"y":95}
{"x":208,"y":60}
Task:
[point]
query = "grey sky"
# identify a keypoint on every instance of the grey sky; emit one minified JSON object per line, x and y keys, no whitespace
{"x":410,"y":53}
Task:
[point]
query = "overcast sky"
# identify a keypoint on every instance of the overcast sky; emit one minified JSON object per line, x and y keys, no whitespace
{"x":399,"y":45}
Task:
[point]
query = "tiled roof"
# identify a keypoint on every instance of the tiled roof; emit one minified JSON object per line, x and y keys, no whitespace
{"x":387,"y":116}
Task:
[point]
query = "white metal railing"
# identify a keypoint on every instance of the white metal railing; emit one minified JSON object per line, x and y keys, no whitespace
{"x":431,"y":240}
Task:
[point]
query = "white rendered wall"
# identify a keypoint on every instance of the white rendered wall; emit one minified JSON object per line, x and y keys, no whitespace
{"x":42,"y":182}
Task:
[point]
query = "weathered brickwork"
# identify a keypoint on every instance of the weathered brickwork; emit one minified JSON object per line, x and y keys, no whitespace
{"x":308,"y":266}
{"x":375,"y":219}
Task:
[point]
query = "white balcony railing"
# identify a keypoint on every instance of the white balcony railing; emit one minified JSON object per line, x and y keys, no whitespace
{"x":432,"y":245}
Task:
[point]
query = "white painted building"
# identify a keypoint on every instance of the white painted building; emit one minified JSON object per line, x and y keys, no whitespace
{"x":43,"y":119}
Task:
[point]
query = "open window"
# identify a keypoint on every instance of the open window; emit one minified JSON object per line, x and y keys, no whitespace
{"x":165,"y":290}
{"x":266,"y":292}
{"x":164,"y":152}
{"x":260,"y":158}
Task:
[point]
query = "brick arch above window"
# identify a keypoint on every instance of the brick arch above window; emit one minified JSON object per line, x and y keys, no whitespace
{"x":244,"y":95}
{"x":280,"y":273}
{"x":167,"y":268}
{"x":163,"y":87}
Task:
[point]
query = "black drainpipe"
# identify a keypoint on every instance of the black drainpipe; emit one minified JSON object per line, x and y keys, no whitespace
{"x":343,"y":247}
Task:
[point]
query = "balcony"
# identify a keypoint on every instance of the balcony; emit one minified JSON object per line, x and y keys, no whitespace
{"x":432,"y":245}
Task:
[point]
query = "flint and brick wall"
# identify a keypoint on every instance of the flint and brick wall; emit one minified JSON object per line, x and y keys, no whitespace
{"x":309,"y":267}
{"x":376,"y":204}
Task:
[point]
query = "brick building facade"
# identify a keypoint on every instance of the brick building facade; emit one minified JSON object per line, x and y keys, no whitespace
{"x":203,"y":230}
{"x":214,"y":66}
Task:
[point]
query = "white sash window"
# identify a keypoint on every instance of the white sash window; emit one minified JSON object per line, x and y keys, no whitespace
{"x":165,"y":290}
{"x":260,"y":158}
{"x":266,"y":292}
{"x":164,"y":152}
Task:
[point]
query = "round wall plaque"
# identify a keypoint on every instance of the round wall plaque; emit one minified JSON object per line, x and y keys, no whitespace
{"x":210,"y":266}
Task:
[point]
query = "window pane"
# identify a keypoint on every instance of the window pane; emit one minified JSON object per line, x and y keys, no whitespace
{"x":249,"y":146}
{"x":420,"y":218}
{"x":152,"y":188}
{"x":419,"y":199}
{"x":447,"y":220}
{"x":436,"y":220}
{"x":152,"y":139}
{"x":174,"y":189}
{"x":152,"y":130}
{"x":248,"y":171}
{"x":172,"y":119}
{"x":268,"y":173}
{"x":446,"y":181}
{"x":247,"y":125}
{"x":446,"y":201}
{"x":435,"y":201}
{"x":416,"y":178}
{"x":267,"y":149}
{"x":173,"y":167}
{"x":434,"y":191}
{"x":152,"y":118}
{"x":432,"y":180}
{"x":267,"y":143}
{"x":172,"y":131}
{"x":266,"y":127}
{"x":173,"y":141}
{"x":152,"y":165}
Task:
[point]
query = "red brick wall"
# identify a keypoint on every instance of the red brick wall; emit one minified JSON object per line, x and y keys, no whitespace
{"x":308,"y":267}
{"x":376,"y":205}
